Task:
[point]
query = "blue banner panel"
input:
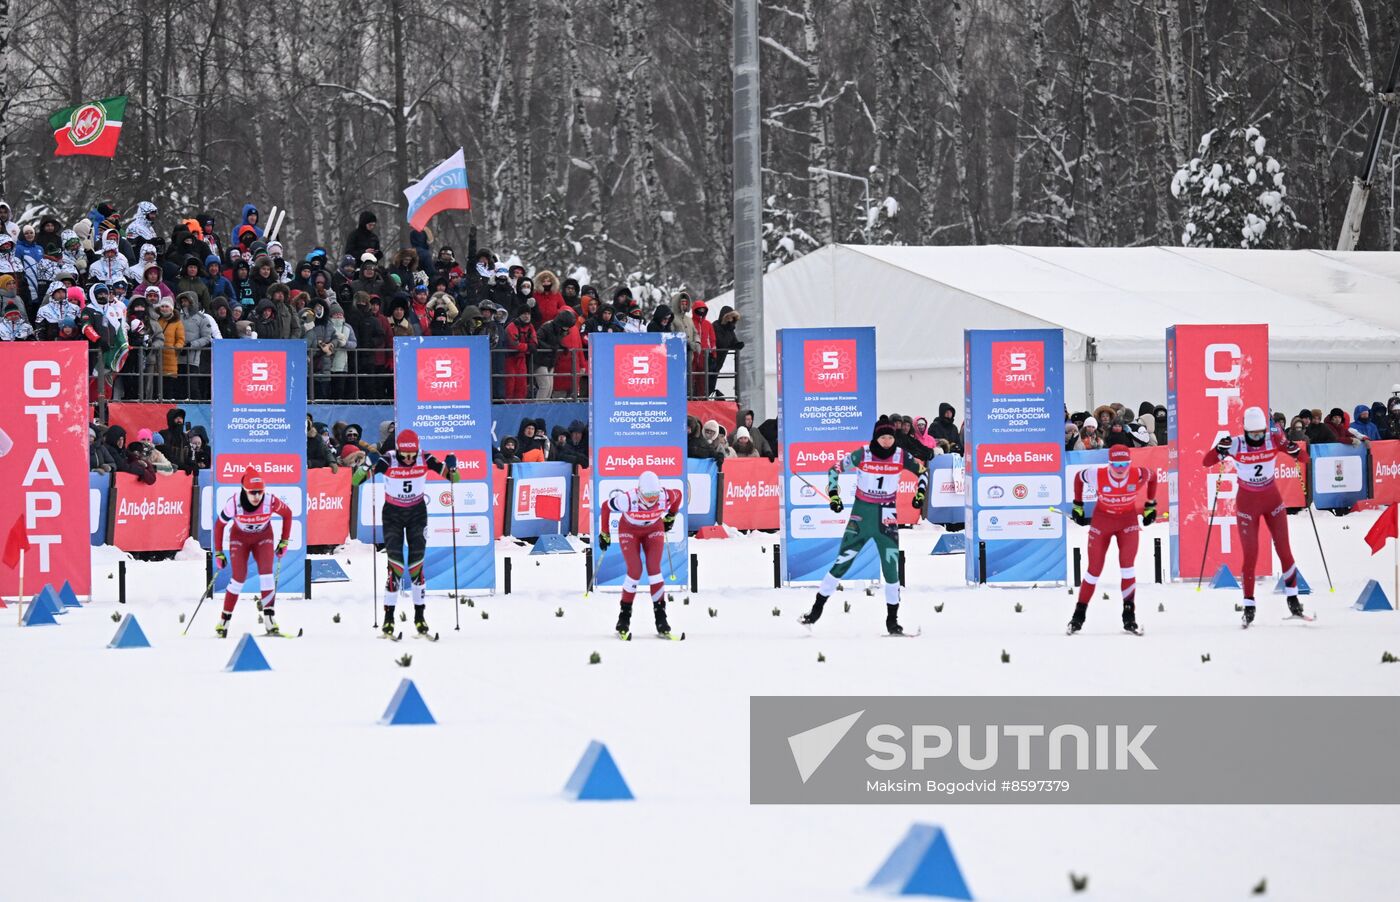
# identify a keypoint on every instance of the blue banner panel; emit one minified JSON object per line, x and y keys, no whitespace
{"x":442,"y":391}
{"x":99,"y":490}
{"x":259,"y":420}
{"x":826,"y":409}
{"x":529,"y":484}
{"x":637,"y":422}
{"x":1014,"y":436}
{"x":1341,"y":475}
{"x":946,"y":492}
{"x":702,"y":498}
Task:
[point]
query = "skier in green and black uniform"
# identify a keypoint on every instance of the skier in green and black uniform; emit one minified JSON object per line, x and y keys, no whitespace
{"x":872,"y":516}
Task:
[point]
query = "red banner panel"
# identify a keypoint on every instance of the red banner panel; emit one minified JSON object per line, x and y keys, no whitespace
{"x":751,"y":493}
{"x":498,"y":498}
{"x":44,"y":466}
{"x":327,"y":506}
{"x":152,"y":517}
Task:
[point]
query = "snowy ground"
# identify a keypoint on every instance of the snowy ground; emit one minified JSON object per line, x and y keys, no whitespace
{"x":154,"y":775}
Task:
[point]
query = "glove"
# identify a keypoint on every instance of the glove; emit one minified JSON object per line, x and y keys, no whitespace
{"x":919,"y":499}
{"x":668,"y":521}
{"x":836,"y":505}
{"x":1222,"y":447}
{"x":604,"y":540}
{"x":221,"y":559}
{"x":281,"y":547}
{"x":1293,"y":449}
{"x":450,"y":462}
{"x":1077,"y":515}
{"x":1149,"y":513}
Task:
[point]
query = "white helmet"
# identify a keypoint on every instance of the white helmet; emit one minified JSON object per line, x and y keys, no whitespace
{"x":649,"y":488}
{"x":1255,"y":420}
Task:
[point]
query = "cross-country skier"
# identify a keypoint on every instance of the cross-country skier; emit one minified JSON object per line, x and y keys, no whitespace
{"x":872,"y":516}
{"x":406,"y":515}
{"x":1115,"y":517}
{"x":645,"y":514}
{"x":250,"y":514}
{"x":1258,"y":499}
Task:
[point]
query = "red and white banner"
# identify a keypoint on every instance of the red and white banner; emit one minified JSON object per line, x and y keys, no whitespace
{"x":1385,"y":473}
{"x":327,"y":506}
{"x":1213,"y":374}
{"x":751,"y":493}
{"x":152,"y":517}
{"x":44,"y":465}
{"x":498,"y":498}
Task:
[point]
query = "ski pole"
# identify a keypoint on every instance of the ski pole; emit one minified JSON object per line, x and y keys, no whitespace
{"x":1302,"y":474}
{"x":456,"y":602}
{"x":208,"y":591}
{"x":1210,"y":524}
{"x":373,"y":554}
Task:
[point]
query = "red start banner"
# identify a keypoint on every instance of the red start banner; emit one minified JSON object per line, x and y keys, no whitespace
{"x":327,"y":506}
{"x":1213,"y":374}
{"x":43,"y":466}
{"x":1385,"y":472}
{"x":151,"y":517}
{"x":751,"y":493}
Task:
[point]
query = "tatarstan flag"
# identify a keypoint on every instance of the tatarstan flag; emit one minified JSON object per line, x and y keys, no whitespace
{"x":89,"y":129}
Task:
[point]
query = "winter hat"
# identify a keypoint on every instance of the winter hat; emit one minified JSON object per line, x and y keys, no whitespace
{"x":144,"y":435}
{"x":742,"y":432}
{"x":1118,"y":456}
{"x":76,"y":295}
{"x":271,"y":245}
{"x":369,"y":257}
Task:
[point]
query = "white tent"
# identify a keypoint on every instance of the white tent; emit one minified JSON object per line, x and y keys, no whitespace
{"x":1334,"y":318}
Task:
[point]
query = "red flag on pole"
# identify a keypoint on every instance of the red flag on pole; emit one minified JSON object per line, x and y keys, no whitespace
{"x":1387,"y":526}
{"x":16,"y":541}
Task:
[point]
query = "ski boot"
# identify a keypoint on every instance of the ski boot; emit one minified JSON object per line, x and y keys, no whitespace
{"x":1248,"y":617}
{"x":269,"y":624}
{"x":419,"y":621}
{"x":892,"y":620}
{"x":624,"y":620}
{"x":1295,"y":607}
{"x":815,"y":614}
{"x":663,"y":628}
{"x":388,"y":627}
{"x":1130,"y":623}
{"x":1076,"y":620}
{"x":221,"y":628}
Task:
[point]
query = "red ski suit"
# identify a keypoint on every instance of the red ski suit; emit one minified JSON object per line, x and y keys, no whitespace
{"x":1115,"y":516}
{"x":1258,"y":500}
{"x":251,"y":534}
{"x":641,"y":534}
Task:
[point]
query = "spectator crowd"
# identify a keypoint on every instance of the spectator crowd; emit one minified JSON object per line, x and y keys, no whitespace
{"x":150,"y":303}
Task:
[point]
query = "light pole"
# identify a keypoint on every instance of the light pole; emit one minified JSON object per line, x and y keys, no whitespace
{"x":1393,"y":159}
{"x":864,"y":182}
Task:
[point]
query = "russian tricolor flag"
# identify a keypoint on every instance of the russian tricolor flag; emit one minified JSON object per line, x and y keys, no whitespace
{"x":445,"y":188}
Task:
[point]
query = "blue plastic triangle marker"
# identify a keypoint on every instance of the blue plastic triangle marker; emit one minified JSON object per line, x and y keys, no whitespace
{"x":596,"y":778}
{"x":1224,"y":579}
{"x":49,"y":596}
{"x":68,"y":596}
{"x":326,"y":570}
{"x":552,"y":543}
{"x":951,"y":543}
{"x":247,"y":656}
{"x":407,"y":708}
{"x":1303,"y":587}
{"x":921,"y":865}
{"x":1372,"y":598}
{"x":129,"y":635}
{"x":40,"y":612}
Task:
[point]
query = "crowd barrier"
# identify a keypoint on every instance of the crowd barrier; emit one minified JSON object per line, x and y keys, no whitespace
{"x":741,"y":493}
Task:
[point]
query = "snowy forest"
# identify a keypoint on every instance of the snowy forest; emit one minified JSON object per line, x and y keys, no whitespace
{"x":597,"y":132}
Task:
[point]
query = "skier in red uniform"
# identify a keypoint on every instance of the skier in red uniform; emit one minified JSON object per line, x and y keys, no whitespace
{"x":645,"y":513}
{"x":250,"y":534}
{"x":1258,"y":499}
{"x":1115,"y":517}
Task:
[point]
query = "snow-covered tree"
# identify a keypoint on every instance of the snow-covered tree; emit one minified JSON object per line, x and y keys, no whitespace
{"x":1235,"y":194}
{"x":784,"y":238}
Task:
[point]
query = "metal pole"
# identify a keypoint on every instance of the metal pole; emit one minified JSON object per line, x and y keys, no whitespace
{"x":748,"y":206}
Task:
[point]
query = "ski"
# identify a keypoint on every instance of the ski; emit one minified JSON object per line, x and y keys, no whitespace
{"x":1133,"y":631}
{"x":672,"y":636}
{"x":1306,"y":618}
{"x":1070,"y":630}
{"x":392,"y":637}
{"x":918,"y":631}
{"x":431,"y":637}
{"x":281,"y":635}
{"x":624,"y":635}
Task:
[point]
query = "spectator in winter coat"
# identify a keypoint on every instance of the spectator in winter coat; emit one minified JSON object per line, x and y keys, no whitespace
{"x":760,"y":441}
{"x":714,"y":435}
{"x":154,"y":277}
{"x":726,"y":340}
{"x":57,"y":311}
{"x":222,"y":315}
{"x":508,"y":453}
{"x":344,"y":341}
{"x":1340,"y":425}
{"x":151,"y":452}
{"x":921,"y":433}
{"x":943,"y":428}
{"x":143,"y":226}
{"x":531,"y":437}
{"x":1316,"y":432}
{"x":248,"y":219}
{"x":905,"y":439}
{"x":400,"y":323}
{"x":421,"y":241}
{"x":318,"y":453}
{"x":265,"y":322}
{"x":172,"y":337}
{"x":263,"y":276}
{"x":1143,"y":430}
{"x":125,"y":461}
{"x":1380,"y":418}
{"x":520,"y":344}
{"x":7,"y":225}
{"x":573,"y":296}
{"x":1393,"y":432}
{"x":549,"y":300}
{"x":662,"y":320}
{"x":696,"y":445}
{"x":15,"y":325}
{"x":685,"y":323}
{"x":199,"y":334}
{"x":110,"y":266}
{"x":214,"y":279}
{"x":1361,"y":425}
{"x":364,"y":237}
{"x":191,"y":281}
{"x":198,"y":456}
{"x":575,"y":450}
{"x":550,"y":337}
{"x":603,"y":321}
{"x":704,"y":362}
{"x":743,"y":443}
{"x":559,"y":445}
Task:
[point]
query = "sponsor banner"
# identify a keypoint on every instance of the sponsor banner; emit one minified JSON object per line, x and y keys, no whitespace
{"x":826,"y":409}
{"x":442,"y":391}
{"x":946,"y":499}
{"x":583,"y":506}
{"x":151,"y":517}
{"x":99,"y":489}
{"x":499,"y":478}
{"x":530,"y":483}
{"x":1385,"y":472}
{"x":44,"y":463}
{"x":702,"y":483}
{"x":751,"y":493}
{"x":1014,"y":435}
{"x":637,"y":422}
{"x":327,"y":506}
{"x":258,"y":419}
{"x":1288,"y":473}
{"x":1213,"y":373}
{"x":1339,"y":475}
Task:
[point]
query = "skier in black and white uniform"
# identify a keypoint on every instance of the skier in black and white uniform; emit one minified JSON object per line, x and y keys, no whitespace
{"x":406,"y":516}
